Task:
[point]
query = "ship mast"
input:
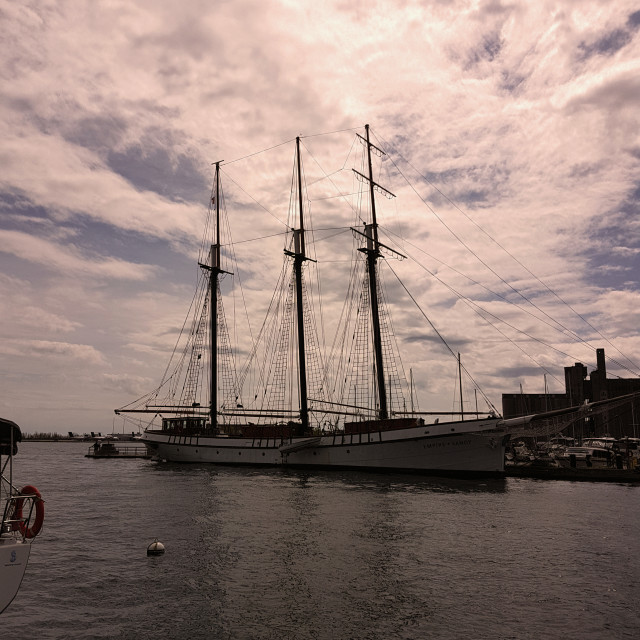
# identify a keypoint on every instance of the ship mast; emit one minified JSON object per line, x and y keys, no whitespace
{"x":372,"y":252}
{"x":299,"y":258}
{"x":214,"y":278}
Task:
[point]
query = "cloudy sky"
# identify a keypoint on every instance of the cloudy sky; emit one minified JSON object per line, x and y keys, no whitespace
{"x":516,"y":124}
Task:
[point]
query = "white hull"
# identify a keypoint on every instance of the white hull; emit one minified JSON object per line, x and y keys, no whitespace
{"x":14,"y":555}
{"x":460,"y":447}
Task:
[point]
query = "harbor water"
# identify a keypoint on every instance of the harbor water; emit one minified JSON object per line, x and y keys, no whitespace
{"x":275,"y":554}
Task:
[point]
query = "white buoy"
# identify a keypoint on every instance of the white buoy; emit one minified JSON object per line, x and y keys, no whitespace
{"x":155,"y":548}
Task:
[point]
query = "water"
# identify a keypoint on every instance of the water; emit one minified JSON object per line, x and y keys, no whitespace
{"x":275,"y":554}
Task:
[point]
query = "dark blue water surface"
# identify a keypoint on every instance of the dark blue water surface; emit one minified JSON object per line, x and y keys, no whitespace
{"x":259,"y":553}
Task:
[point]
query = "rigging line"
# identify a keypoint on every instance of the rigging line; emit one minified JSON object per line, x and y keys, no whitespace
{"x":333,"y":173}
{"x":478,"y":309}
{"x":308,"y":289}
{"x":234,"y":331}
{"x":512,"y":257}
{"x":474,"y":254}
{"x":333,"y":235}
{"x":262,"y":333}
{"x":327,"y":176}
{"x":256,"y":153}
{"x":446,"y":344}
{"x":339,"y":195}
{"x":273,"y":215}
{"x":329,"y":133}
{"x":392,"y":346}
{"x":145,"y":397}
{"x":498,"y":295}
{"x":197,"y":296}
{"x":272,"y":235}
{"x":466,"y":371}
{"x":455,"y":388}
{"x":338,"y":363}
{"x":208,"y":222}
{"x":441,"y":336}
{"x":166,"y":379}
{"x":254,"y":340}
{"x":234,"y":261}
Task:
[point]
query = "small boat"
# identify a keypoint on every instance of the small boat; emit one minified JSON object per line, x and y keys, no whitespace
{"x":107,"y":448}
{"x":604,"y":442}
{"x":22,"y":517}
{"x":586,"y":458}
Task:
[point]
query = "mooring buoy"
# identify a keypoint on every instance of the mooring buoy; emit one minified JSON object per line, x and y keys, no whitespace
{"x":155,"y":548}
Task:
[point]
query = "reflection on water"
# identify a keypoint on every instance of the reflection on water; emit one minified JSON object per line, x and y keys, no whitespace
{"x":265,"y":553}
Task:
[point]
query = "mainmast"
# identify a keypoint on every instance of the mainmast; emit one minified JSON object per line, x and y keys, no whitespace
{"x":299,"y":258}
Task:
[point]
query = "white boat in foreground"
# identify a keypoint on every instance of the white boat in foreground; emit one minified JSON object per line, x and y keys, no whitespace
{"x":22,"y":517}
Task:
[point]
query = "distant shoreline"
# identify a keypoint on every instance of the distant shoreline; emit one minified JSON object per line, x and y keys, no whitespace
{"x":61,"y":439}
{"x":81,"y":440}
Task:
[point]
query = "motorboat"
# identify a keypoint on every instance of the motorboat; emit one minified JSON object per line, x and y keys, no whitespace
{"x":22,"y":517}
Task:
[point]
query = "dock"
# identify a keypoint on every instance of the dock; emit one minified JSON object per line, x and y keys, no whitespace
{"x":564,"y":473}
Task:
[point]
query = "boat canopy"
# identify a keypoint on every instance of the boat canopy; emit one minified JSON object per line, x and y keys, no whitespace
{"x":10,"y":435}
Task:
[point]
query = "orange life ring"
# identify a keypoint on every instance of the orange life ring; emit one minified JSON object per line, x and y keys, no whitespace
{"x":34,"y":530}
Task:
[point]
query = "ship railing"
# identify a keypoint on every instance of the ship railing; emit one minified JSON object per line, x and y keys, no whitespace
{"x":9,"y":523}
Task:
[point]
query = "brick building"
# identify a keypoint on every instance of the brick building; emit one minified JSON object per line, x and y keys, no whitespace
{"x":618,"y":422}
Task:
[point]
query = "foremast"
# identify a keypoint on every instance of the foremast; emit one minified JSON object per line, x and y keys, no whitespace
{"x":214,"y":278}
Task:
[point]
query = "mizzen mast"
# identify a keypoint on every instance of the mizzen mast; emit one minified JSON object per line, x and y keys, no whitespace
{"x":372,"y":251}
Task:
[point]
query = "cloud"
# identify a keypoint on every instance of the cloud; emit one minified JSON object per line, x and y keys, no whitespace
{"x":610,"y":42}
{"x":616,"y":91}
{"x":81,"y":354}
{"x":23,"y":311}
{"x":516,"y":123}
{"x":72,"y":180}
{"x":127,"y":385}
{"x":68,"y":258}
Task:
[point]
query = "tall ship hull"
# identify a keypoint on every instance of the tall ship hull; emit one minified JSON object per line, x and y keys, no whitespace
{"x":474,"y":447}
{"x":307,"y":396}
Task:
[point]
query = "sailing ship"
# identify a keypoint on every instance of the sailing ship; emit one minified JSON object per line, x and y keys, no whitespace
{"x":22,"y":517}
{"x":308,"y":413}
